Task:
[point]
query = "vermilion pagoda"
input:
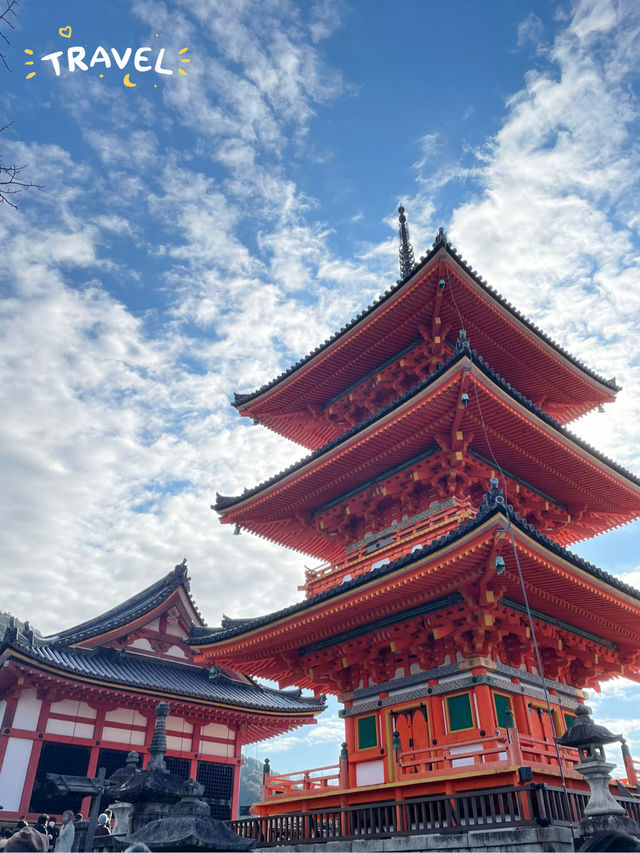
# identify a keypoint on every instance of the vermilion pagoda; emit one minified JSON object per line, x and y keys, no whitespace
{"x":442,"y":485}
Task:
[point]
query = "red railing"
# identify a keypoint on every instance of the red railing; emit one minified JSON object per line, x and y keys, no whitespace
{"x":318,"y":779}
{"x":491,"y":752}
{"x":405,"y":539}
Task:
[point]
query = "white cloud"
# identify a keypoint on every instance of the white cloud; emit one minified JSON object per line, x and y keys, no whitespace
{"x":530,"y":29}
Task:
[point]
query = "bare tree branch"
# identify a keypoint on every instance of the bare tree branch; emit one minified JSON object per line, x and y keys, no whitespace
{"x":10,"y":179}
{"x":5,"y":20}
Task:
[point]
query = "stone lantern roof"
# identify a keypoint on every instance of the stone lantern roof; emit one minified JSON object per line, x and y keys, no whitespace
{"x":585,"y":732}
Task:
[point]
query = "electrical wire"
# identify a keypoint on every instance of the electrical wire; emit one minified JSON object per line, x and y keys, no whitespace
{"x":515,"y":550}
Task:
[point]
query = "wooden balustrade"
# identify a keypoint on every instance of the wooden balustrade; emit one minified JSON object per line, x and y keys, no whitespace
{"x":490,"y":752}
{"x":535,"y":804}
{"x":411,"y":534}
{"x":317,"y":779}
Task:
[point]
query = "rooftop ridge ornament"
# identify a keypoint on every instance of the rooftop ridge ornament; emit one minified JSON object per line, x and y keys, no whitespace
{"x":493,"y":497}
{"x":407,"y":259}
{"x":462,"y":344}
{"x":441,"y":238}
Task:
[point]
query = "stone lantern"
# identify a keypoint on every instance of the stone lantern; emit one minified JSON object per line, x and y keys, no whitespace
{"x":602,"y":813}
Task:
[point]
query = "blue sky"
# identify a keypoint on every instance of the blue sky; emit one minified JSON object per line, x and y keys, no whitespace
{"x":197,"y":233}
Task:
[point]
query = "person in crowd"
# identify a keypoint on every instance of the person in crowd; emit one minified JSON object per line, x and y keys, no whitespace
{"x":21,"y":823}
{"x":102,"y":828}
{"x":53,"y":831}
{"x":7,"y":832}
{"x":41,"y":824}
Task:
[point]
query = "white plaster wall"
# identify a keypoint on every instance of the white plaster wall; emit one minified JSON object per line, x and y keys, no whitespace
{"x":216,"y":730}
{"x":125,"y":715}
{"x":123,"y":736}
{"x":13,"y":772}
{"x":70,"y":728}
{"x":469,"y":760}
{"x":369,"y":773}
{"x":28,"y":710}
{"x":73,"y":709}
{"x":176,"y":652}
{"x":175,"y":630}
{"x":177,"y":724}
{"x":3,"y":707}
{"x":181,"y":743}
{"x":209,"y":748}
{"x":141,"y":643}
{"x":154,"y":625}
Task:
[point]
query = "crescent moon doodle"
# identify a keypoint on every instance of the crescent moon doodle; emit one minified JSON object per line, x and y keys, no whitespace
{"x":127,"y":82}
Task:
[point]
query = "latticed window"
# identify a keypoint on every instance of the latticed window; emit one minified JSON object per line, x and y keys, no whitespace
{"x":179,"y":766}
{"x":218,"y":787}
{"x":111,"y":760}
{"x":58,"y":758}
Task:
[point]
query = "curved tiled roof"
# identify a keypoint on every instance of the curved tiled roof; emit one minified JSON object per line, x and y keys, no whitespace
{"x":439,"y":242}
{"x":462,"y":349}
{"x":131,"y":609}
{"x":493,"y":503}
{"x":188,"y":682}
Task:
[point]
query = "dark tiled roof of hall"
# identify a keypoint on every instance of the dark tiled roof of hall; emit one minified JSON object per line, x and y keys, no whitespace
{"x":492,"y":503}
{"x":130,"y":669}
{"x":223,"y":501}
{"x":439,"y":242}
{"x":127,"y":611}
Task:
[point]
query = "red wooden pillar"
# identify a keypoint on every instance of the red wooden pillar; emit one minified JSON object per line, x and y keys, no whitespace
{"x":237,"y":754}
{"x":92,"y":772}
{"x":343,"y":763}
{"x":629,"y":766}
{"x":195,"y":748}
{"x":436,"y":715}
{"x":7,"y":722}
{"x":350,"y":736}
{"x":486,"y":710}
{"x":520,"y":712}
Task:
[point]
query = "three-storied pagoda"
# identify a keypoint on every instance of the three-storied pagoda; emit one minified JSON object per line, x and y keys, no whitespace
{"x":441,"y":491}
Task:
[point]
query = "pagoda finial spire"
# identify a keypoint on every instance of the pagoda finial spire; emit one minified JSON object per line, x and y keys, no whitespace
{"x":407,"y":260}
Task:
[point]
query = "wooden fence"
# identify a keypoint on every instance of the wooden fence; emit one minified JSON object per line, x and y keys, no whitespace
{"x":535,"y":804}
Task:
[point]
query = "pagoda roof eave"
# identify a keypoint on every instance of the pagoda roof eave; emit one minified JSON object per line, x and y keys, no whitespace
{"x":138,"y":675}
{"x":492,"y":506}
{"x":225,"y":503}
{"x":132,"y":610}
{"x":243,"y":401}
